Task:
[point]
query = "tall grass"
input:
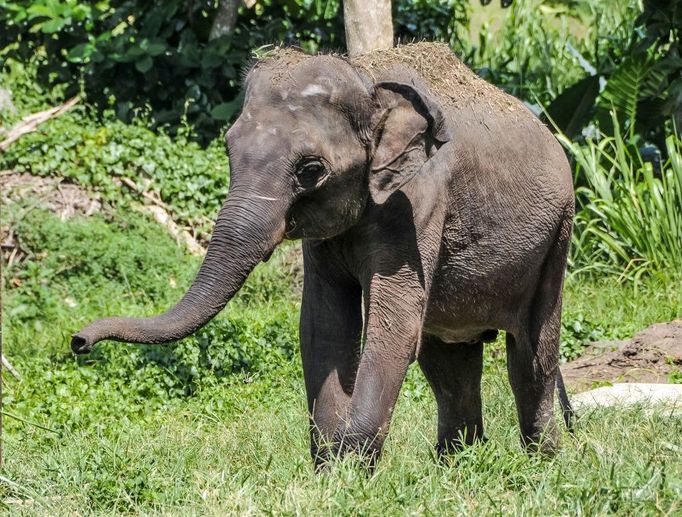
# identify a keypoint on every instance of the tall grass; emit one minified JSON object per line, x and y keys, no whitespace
{"x":629,"y":217}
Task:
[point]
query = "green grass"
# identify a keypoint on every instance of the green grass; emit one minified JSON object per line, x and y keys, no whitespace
{"x":217,"y":423}
{"x":243,"y":449}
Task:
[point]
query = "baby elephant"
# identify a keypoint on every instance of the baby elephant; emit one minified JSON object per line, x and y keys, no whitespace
{"x":434,"y":209}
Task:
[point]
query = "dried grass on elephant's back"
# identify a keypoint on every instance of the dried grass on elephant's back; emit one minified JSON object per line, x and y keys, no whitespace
{"x":445,"y":73}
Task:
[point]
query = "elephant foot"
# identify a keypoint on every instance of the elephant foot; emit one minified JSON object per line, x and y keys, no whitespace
{"x":366,"y":447}
{"x":447,"y":449}
{"x":544,"y":441}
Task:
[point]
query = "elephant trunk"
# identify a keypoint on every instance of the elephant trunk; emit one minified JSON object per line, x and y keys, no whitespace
{"x":245,"y":233}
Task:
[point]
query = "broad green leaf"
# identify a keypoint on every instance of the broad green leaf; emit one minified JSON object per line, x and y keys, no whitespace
{"x":145,"y":64}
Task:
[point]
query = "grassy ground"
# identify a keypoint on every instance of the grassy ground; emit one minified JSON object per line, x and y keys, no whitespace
{"x":250,"y":456}
{"x":217,"y":424}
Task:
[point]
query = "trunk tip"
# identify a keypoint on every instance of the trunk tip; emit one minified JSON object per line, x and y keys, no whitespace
{"x":80,"y":344}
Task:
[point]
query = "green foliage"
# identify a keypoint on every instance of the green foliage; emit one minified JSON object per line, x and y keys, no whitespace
{"x":135,"y":54}
{"x":27,"y":94}
{"x":432,"y":20}
{"x":634,"y":81}
{"x":191,"y":180}
{"x":78,"y":270}
{"x":641,"y":75}
{"x":142,"y":57}
{"x":73,"y":260}
{"x":577,"y":331}
{"x":629,"y":219}
{"x":543,"y":47}
{"x":662,"y":24}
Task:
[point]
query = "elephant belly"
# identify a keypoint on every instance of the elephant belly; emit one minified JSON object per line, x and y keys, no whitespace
{"x":466,"y":335}
{"x":480,"y":290}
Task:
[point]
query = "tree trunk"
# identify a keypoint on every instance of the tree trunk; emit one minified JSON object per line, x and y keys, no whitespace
{"x":225,"y":19}
{"x":369,"y":25}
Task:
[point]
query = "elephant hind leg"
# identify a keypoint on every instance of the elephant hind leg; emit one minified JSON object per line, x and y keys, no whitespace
{"x":533,"y":352}
{"x":454,"y":373}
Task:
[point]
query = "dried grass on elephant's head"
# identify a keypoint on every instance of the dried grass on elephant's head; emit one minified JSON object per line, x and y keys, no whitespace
{"x":445,"y":74}
{"x":437,"y":64}
{"x":277,"y":60}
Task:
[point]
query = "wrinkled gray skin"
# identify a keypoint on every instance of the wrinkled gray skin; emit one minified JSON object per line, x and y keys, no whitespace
{"x":426,"y":226}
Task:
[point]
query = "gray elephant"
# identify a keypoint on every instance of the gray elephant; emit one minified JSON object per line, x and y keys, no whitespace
{"x":434,"y":210}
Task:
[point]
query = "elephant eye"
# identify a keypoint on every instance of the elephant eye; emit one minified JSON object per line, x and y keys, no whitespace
{"x":310,"y":173}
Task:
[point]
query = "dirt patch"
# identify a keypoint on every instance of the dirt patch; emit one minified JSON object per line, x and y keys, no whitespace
{"x":67,"y":200}
{"x":650,"y":356}
{"x":53,"y":194}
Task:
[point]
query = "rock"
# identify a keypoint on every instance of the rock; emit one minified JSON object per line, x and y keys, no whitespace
{"x":6,"y":102}
{"x":661,"y":398}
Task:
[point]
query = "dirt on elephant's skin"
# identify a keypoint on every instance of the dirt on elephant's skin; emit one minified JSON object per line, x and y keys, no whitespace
{"x":650,"y":356}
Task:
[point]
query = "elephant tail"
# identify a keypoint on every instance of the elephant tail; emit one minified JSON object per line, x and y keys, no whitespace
{"x":566,"y":408}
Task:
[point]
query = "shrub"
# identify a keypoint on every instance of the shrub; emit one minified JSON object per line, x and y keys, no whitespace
{"x":191,"y":180}
{"x":629,"y":219}
{"x":133,"y":54}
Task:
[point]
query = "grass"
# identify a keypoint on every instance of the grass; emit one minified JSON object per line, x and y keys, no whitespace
{"x":217,"y":423}
{"x":250,"y":456}
{"x":621,"y":309}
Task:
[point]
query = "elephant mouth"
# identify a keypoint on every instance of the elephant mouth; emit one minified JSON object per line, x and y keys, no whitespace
{"x":290,"y":228}
{"x":312,"y":229}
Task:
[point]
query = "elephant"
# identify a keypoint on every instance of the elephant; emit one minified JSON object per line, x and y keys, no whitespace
{"x":434,"y":211}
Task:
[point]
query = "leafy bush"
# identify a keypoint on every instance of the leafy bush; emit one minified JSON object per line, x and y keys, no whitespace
{"x":638,"y":73}
{"x":578,"y":331}
{"x":629,"y":219}
{"x":134,"y":54}
{"x":191,"y":180}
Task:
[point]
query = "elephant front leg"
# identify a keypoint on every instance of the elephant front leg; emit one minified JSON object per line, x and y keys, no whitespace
{"x":331,"y":327}
{"x":394,"y":307}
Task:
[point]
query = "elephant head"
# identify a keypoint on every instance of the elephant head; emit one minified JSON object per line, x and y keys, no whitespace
{"x":315,"y":143}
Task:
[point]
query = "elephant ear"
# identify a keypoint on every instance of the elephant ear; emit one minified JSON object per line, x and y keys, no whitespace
{"x":408,"y":126}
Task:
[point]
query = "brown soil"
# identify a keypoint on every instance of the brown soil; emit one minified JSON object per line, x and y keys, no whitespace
{"x":67,"y":200}
{"x":650,"y":356}
{"x":54,"y":194}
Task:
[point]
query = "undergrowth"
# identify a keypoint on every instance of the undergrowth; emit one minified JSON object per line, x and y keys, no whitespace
{"x":79,"y":270}
{"x":190,"y":180}
{"x":629,"y":215}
